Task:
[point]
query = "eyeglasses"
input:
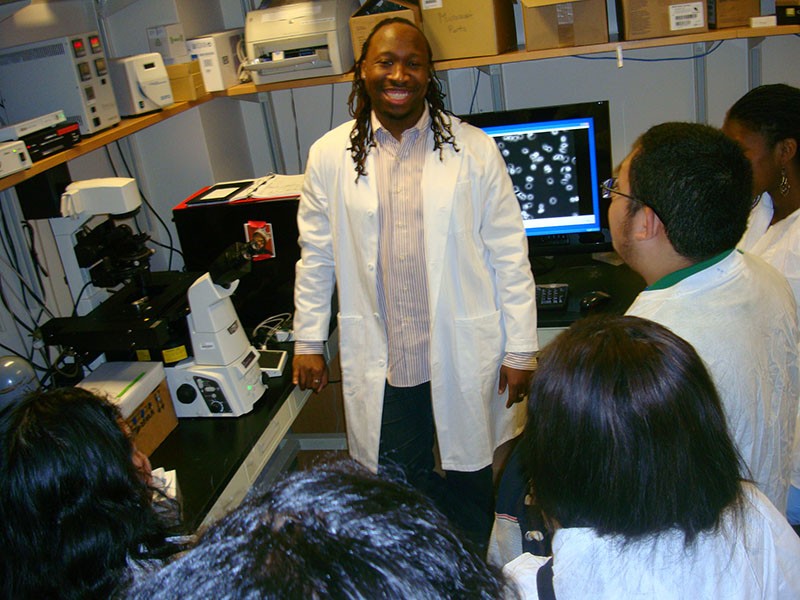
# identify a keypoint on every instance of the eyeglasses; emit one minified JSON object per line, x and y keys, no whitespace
{"x":609,"y":186}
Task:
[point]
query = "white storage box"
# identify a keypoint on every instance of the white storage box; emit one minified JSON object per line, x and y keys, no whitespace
{"x":219,"y":62}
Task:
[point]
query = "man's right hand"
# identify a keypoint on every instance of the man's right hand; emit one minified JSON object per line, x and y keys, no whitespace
{"x":309,"y":371}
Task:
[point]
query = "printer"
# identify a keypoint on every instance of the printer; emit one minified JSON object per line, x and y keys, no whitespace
{"x":295,"y":40}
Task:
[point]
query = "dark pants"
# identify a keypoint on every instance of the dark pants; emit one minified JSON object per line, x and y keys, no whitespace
{"x":407,"y":441}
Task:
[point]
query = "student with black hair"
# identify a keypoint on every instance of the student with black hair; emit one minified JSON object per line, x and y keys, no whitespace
{"x":333,"y":531}
{"x":629,"y":457}
{"x":679,"y":206}
{"x":76,"y":509}
{"x":766,"y":123}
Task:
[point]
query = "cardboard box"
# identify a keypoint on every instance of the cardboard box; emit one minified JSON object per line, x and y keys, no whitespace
{"x":169,"y":42}
{"x":186,"y":81}
{"x":732,"y":13}
{"x":465,"y":28}
{"x":787,"y":12}
{"x":554,"y":24}
{"x":219,"y":61}
{"x":645,"y":19}
{"x":373,"y":12}
{"x":140,"y":391}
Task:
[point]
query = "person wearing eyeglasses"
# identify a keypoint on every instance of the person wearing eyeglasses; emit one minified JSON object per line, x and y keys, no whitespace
{"x":679,"y":206}
{"x":766,"y":124}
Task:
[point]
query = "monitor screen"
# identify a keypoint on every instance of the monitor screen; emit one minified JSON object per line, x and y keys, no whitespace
{"x":556,"y":157}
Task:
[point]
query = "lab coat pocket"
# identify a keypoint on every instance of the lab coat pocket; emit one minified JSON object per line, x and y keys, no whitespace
{"x":352,"y":345}
{"x":478,"y":346}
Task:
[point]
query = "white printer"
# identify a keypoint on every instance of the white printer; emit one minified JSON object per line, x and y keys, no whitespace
{"x":294,"y":40}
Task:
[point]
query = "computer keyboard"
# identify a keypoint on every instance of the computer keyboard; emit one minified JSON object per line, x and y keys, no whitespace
{"x":552,"y":296}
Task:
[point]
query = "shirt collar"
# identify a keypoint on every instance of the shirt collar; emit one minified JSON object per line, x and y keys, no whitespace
{"x":422,"y":124}
{"x":681,"y":274}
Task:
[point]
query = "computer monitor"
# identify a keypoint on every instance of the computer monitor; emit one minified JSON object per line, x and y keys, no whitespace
{"x":557,"y":156}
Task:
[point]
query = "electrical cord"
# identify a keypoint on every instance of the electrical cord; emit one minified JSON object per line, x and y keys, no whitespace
{"x":475,"y":91}
{"x":170,"y":246}
{"x":78,"y":299}
{"x":274,"y":324}
{"x":713,"y":48}
{"x":26,"y":286}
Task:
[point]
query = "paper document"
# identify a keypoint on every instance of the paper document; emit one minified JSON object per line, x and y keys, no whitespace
{"x":280,"y":186}
{"x":272,"y":186}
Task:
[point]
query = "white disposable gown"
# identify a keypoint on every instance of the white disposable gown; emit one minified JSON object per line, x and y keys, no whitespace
{"x":740,"y":316}
{"x":751,"y":557}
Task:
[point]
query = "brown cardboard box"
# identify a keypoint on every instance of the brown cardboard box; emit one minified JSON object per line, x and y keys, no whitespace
{"x":153,"y":420}
{"x":732,"y":13}
{"x":554,"y":24}
{"x":465,"y":28}
{"x":375,"y":11}
{"x":787,"y":12}
{"x":186,"y":81}
{"x":140,"y":391}
{"x":645,"y":19}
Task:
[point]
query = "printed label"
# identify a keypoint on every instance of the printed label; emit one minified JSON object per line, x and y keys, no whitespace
{"x":431,"y":4}
{"x":686,"y":16}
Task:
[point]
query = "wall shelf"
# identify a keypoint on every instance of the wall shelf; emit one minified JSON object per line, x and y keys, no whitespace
{"x":525,"y":55}
{"x":125,"y":127}
{"x":129,"y":126}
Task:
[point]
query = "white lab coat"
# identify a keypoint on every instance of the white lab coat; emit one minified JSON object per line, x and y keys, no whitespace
{"x":779,"y":245}
{"x":757,"y":222}
{"x":740,"y":316}
{"x":480,"y":288}
{"x":755,"y":557}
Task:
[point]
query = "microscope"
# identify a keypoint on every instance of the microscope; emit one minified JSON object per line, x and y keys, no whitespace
{"x":186,"y":320}
{"x":223,"y":378}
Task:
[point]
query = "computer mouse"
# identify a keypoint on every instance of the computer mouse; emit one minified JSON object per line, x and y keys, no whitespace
{"x":594,"y":299}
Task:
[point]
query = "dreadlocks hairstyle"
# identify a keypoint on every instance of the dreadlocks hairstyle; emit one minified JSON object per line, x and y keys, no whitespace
{"x":360,"y":105}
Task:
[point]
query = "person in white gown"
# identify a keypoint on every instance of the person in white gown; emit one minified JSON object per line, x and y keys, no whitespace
{"x":766,"y":123}
{"x":629,"y":456}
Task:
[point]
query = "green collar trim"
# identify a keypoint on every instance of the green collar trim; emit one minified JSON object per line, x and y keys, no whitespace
{"x":681,"y":274}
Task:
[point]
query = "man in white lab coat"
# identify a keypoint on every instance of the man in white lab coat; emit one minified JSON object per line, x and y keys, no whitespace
{"x":678,"y":208}
{"x":412,"y":215}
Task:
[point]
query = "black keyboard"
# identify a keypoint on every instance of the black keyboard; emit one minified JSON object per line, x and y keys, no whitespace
{"x":552,"y":296}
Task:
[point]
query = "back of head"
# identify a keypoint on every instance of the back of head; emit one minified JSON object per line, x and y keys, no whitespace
{"x":626,"y":433}
{"x":71,"y":501}
{"x":332,"y":531}
{"x":772,"y":110}
{"x":698,"y":181}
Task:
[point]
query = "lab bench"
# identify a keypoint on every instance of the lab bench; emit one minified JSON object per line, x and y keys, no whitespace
{"x":218,"y":459}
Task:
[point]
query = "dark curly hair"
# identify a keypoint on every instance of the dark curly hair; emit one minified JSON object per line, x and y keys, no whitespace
{"x":73,"y":505}
{"x":360,"y":105}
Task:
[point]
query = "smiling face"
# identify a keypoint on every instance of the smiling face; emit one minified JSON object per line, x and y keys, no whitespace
{"x":396,"y":71}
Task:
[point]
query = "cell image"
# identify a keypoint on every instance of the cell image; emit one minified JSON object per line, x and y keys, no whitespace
{"x":543,"y":169}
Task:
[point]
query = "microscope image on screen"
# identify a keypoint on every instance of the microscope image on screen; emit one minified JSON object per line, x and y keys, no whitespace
{"x":542,"y":166}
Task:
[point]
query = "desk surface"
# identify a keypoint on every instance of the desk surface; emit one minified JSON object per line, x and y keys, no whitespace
{"x":584,"y":273}
{"x":207,"y":452}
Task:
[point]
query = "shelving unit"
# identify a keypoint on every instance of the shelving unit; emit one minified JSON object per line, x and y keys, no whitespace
{"x":125,"y":127}
{"x":129,"y":126}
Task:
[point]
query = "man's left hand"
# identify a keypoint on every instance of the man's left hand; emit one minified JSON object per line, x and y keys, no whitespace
{"x":518,"y":382}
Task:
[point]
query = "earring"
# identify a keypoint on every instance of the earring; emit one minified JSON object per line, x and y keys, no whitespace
{"x":784,"y":186}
